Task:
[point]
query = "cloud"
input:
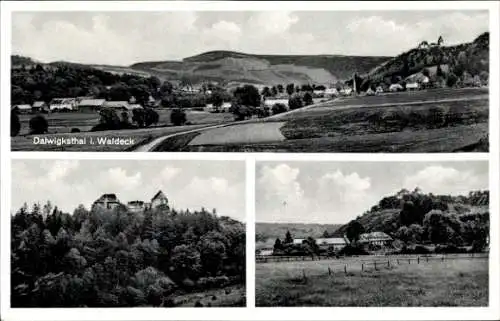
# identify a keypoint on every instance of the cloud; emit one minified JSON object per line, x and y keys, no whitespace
{"x":439,"y":179}
{"x":61,"y":169}
{"x":345,"y":188}
{"x":271,"y":23}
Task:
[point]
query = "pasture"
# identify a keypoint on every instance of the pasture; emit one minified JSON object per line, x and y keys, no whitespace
{"x":231,"y":296}
{"x":444,"y":120}
{"x":459,"y":281}
{"x":60,"y":125}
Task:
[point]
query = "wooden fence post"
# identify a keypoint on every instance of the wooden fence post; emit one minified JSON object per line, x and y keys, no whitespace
{"x":442,"y":258}
{"x":409,"y":261}
{"x":304,"y":275}
{"x":329,"y":271}
{"x":345,"y":268}
{"x":388,"y":263}
{"x":362,"y":267}
{"x":375,"y":264}
{"x":418,"y":259}
{"x":427,"y":259}
{"x":397,"y":260}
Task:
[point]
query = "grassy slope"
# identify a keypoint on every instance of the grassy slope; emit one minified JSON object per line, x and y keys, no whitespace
{"x":233,"y":66}
{"x":458,"y":282}
{"x":232,"y":296}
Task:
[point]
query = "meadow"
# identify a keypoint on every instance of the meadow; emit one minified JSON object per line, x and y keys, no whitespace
{"x":452,"y":282}
{"x":60,"y":125}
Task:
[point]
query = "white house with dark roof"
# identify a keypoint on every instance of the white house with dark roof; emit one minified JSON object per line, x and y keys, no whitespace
{"x":39,"y":106}
{"x":334,"y":243}
{"x":106,"y":202}
{"x":58,"y":104}
{"x":90,"y":105}
{"x":22,"y":108}
{"x":375,"y":238}
{"x":118,"y":105}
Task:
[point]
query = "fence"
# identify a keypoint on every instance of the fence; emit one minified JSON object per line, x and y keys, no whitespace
{"x":411,"y":257}
{"x":350,"y":267}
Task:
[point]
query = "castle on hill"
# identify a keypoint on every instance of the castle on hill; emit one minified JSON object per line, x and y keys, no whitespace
{"x":111,"y":201}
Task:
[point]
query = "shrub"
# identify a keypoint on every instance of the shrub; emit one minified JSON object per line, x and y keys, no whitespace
{"x":15,"y":124}
{"x":178,"y":117}
{"x":75,"y":130}
{"x":151,"y":117}
{"x":308,"y":99}
{"x":278,"y":108}
{"x":352,"y":250}
{"x":38,"y":125}
{"x":295,"y":102}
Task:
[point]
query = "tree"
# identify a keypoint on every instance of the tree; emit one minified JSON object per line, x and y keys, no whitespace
{"x":308,"y":99}
{"x":217,"y":99}
{"x":288,"y":238}
{"x":266,"y":92}
{"x":280,"y":88}
{"x":278,"y":108}
{"x":354,"y":230}
{"x":178,"y":117}
{"x":278,"y":246}
{"x":38,"y":125}
{"x":151,"y":117}
{"x":451,"y":80}
{"x":186,"y":261}
{"x":326,"y":234}
{"x":15,"y":124}
{"x":247,"y":95}
{"x":274,"y":91}
{"x":295,"y":102}
{"x":109,"y":120}
{"x":290,"y":89}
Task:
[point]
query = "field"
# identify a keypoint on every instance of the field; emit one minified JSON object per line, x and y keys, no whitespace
{"x":452,"y":282}
{"x":60,"y":125}
{"x":444,"y":120}
{"x":232,"y":296}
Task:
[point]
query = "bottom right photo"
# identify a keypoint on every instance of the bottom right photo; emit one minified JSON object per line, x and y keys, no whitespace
{"x":372,"y":234}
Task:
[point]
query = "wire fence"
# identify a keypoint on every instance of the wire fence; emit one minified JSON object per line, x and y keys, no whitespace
{"x":376,"y":263}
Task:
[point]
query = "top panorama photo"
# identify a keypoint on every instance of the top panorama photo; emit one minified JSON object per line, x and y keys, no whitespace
{"x":251,"y":81}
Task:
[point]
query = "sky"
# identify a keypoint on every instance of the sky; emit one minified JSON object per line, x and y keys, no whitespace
{"x":337,"y":192}
{"x":187,"y":184}
{"x":122,"y":38}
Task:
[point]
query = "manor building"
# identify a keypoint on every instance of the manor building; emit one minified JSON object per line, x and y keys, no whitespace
{"x":111,"y":201}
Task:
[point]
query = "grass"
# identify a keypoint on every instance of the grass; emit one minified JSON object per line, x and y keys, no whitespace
{"x":456,"y":282}
{"x":60,"y":125}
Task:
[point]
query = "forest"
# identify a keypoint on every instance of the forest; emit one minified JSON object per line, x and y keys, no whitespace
{"x":116,"y":258}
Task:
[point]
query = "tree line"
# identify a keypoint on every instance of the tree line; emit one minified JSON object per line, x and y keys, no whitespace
{"x":116,"y":258}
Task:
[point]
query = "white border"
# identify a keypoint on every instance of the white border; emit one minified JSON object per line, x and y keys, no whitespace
{"x":250,"y":313}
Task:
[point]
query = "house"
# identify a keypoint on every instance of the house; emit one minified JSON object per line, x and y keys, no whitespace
{"x":270,"y":102}
{"x":134,"y":106}
{"x":39,"y":106}
{"x":118,"y":105}
{"x":347,"y":91}
{"x":370,"y":92}
{"x":395,"y":87}
{"x":91,"y":105}
{"x":412,"y":86}
{"x":265,"y":251}
{"x":375,"y":238}
{"x":136,"y":206}
{"x":331,"y":92}
{"x":159,"y":200}
{"x":319,"y":93}
{"x":379,"y":90}
{"x":60,"y":104}
{"x":22,"y":109}
{"x":225,"y":107}
{"x":106,"y":202}
{"x":331,"y":243}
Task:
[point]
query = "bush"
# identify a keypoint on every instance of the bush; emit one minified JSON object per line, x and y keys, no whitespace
{"x":295,"y":102}
{"x":151,"y":117}
{"x":278,"y":108}
{"x":352,"y":250}
{"x":308,"y":99}
{"x":39,"y":125}
{"x":178,"y":117}
{"x":15,"y":124}
{"x":75,"y":130}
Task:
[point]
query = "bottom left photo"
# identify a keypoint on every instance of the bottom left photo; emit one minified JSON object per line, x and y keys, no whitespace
{"x":127,"y":233}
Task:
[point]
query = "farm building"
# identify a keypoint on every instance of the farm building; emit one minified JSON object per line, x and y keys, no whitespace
{"x":319,"y":93}
{"x":107,"y":202}
{"x":58,"y":104}
{"x":375,"y":238}
{"x":370,"y":92}
{"x":334,"y":243}
{"x":347,"y":91}
{"x":118,"y":105}
{"x":22,"y":109}
{"x":39,"y":106}
{"x":270,"y":102}
{"x":395,"y":87}
{"x":225,"y":107}
{"x":379,"y":90}
{"x":412,"y":86}
{"x":90,"y":105}
{"x":159,"y":200}
{"x":134,"y":106}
